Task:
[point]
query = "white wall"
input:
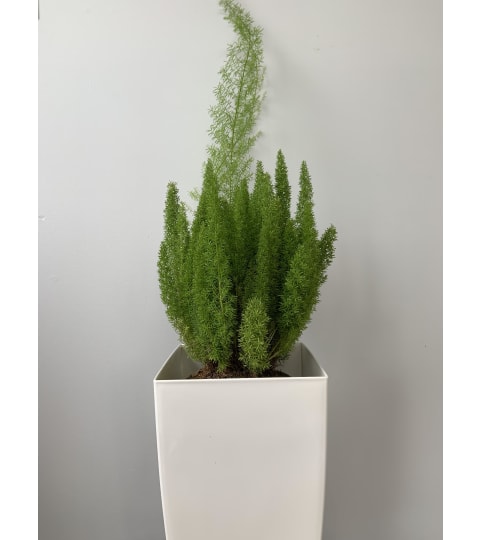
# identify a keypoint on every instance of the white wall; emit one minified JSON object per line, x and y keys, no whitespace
{"x":355,"y":89}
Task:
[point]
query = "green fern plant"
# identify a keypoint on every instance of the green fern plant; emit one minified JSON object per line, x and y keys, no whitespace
{"x":241,"y":281}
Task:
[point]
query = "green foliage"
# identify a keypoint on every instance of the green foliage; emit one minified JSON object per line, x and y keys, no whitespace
{"x":253,"y":337}
{"x":238,"y":101}
{"x":213,"y":299}
{"x":241,"y":281}
{"x":173,"y":263}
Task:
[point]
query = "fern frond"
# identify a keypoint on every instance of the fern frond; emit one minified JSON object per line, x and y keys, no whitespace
{"x":238,"y":101}
{"x":253,"y":337}
{"x":171,"y":266}
{"x":213,"y":297}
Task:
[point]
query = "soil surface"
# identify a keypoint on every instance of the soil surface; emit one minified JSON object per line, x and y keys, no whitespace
{"x":208,"y":371}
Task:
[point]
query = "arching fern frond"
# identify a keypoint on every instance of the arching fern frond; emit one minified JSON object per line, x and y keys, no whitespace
{"x":238,"y":101}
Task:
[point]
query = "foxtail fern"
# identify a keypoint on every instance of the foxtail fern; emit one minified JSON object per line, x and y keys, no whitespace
{"x":241,"y":281}
{"x":238,"y":101}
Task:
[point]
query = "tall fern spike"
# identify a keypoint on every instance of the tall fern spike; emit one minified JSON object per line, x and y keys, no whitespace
{"x":238,"y":101}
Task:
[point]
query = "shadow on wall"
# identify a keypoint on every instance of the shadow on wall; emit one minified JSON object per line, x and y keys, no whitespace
{"x":364,"y":459}
{"x":367,"y":401}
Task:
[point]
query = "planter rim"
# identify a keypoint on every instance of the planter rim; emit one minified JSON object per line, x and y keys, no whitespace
{"x":231,"y":380}
{"x":257,"y":380}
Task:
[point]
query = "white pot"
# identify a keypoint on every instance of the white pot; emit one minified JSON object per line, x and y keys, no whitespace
{"x":242,"y":459}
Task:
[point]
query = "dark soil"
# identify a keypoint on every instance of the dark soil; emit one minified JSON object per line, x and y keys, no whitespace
{"x":208,"y":371}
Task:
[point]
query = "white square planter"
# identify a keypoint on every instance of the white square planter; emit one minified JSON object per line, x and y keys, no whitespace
{"x":242,"y":459}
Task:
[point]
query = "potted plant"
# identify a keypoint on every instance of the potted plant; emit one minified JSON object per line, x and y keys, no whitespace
{"x":240,"y":405}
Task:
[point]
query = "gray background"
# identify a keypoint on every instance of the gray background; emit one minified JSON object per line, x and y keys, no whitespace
{"x":355,"y":88}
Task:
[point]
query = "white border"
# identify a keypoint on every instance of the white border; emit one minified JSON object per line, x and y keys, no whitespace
{"x":462,"y":269}
{"x":18,"y":263}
